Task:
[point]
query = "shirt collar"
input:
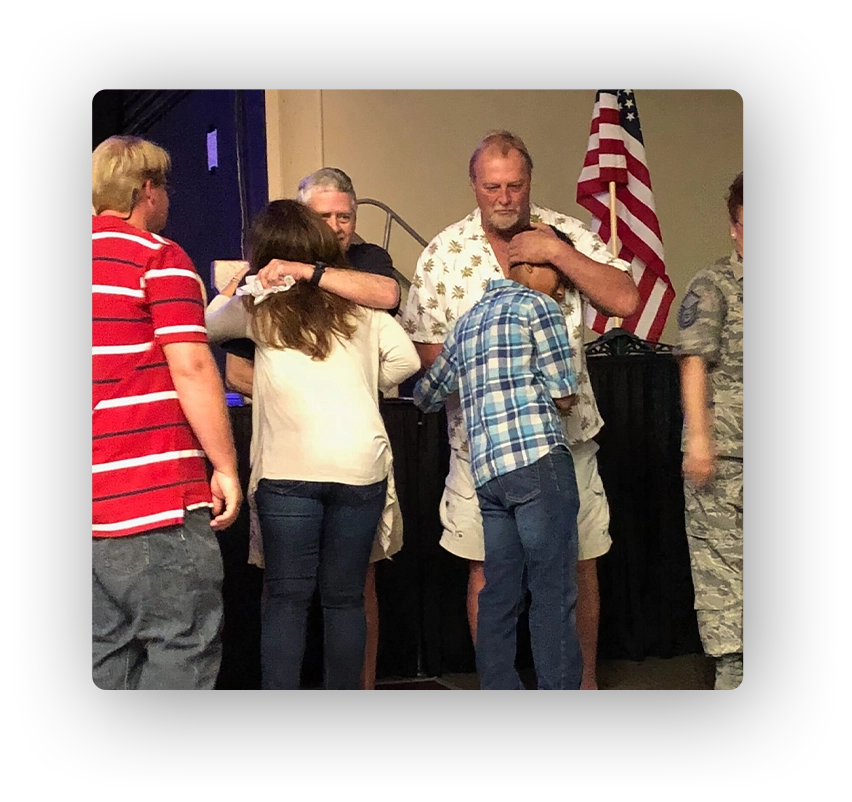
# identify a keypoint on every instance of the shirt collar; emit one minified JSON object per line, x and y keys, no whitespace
{"x":501,"y":283}
{"x":473,"y":222}
{"x":737,"y":265}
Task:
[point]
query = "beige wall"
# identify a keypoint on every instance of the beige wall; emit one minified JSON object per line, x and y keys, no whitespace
{"x":410,"y":150}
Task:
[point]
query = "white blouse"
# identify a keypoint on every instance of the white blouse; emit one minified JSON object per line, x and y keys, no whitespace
{"x":315,"y":420}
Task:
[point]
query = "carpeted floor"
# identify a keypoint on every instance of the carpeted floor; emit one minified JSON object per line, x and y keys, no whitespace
{"x":689,"y":672}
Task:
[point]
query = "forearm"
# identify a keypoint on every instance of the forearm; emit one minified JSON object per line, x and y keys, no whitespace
{"x":696,"y":413}
{"x":438,"y":382}
{"x":202,"y":398}
{"x":367,"y":289}
{"x":610,"y":290}
{"x":231,"y":287}
{"x":565,"y":403}
{"x":428,"y":353}
{"x":239,"y":374}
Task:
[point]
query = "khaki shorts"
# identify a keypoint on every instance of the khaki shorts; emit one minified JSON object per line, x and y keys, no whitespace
{"x":463,"y":524}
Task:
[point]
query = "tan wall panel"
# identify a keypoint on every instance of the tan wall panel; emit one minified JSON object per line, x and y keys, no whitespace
{"x":293,"y":138}
{"x":410,"y":150}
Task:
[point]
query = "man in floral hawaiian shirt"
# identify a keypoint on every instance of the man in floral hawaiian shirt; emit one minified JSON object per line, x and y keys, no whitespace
{"x":450,"y":277}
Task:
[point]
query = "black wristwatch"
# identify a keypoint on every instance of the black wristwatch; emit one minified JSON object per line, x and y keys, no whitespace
{"x":319,"y":269}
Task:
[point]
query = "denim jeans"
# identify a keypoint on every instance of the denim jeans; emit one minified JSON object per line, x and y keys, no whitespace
{"x":529,"y":518}
{"x":315,"y":534}
{"x":157,"y":607}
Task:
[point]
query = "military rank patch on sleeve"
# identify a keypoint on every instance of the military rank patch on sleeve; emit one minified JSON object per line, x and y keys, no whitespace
{"x":688,"y":312}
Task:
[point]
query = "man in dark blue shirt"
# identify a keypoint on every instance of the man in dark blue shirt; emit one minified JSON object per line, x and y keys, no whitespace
{"x":329,"y":192}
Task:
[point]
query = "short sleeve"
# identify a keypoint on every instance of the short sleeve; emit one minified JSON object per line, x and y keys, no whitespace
{"x":590,"y":244}
{"x":368,"y":258}
{"x":425,"y":314}
{"x":699,"y":318}
{"x":173,"y":290}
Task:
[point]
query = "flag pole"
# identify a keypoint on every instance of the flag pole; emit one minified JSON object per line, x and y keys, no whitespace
{"x":613,"y":231}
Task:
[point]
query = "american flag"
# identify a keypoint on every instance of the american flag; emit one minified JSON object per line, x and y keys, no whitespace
{"x":616,"y":153}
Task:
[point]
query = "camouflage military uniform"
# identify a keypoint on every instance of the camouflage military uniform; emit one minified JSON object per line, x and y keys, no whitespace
{"x":710,"y":322}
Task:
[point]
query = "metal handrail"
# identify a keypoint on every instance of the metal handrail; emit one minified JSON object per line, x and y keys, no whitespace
{"x":390,"y":217}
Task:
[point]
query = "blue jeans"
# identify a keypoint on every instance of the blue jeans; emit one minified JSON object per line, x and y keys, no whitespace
{"x":529,"y":517}
{"x":157,"y":607}
{"x":315,"y":534}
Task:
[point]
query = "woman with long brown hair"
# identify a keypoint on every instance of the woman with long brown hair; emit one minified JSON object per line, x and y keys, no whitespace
{"x":320,"y":452}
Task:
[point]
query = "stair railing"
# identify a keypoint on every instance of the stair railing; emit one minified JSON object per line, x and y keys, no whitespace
{"x":392,"y":217}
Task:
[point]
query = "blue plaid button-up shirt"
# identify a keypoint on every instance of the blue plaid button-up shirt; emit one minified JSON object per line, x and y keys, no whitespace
{"x":508,"y":357}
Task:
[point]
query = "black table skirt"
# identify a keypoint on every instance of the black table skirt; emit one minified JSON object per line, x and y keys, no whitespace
{"x":646,"y":587}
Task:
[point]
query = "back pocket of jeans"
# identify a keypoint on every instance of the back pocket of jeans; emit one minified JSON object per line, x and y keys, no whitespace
{"x":367,"y":492}
{"x":282,"y":487}
{"x":123,"y":556}
{"x":521,"y":484}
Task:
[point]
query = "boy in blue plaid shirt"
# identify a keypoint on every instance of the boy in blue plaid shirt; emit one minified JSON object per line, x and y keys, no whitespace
{"x":509,"y":359}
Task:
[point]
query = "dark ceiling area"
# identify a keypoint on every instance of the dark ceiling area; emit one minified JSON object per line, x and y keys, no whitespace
{"x":131,"y":111}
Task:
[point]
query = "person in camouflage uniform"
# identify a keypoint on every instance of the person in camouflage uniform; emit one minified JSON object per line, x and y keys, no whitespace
{"x":710,"y":349}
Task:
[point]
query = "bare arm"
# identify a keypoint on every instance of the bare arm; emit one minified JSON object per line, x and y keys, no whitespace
{"x":610,"y":290}
{"x":239,"y":374}
{"x":565,"y":403}
{"x":437,"y":383}
{"x":698,"y":458}
{"x":202,"y":398}
{"x":428,"y":353}
{"x":231,"y":287}
{"x":367,"y":289}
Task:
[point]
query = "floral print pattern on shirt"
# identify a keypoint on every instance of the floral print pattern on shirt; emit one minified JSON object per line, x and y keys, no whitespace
{"x":451,"y":276}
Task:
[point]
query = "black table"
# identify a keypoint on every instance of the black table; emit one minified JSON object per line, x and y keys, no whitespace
{"x":645,"y":581}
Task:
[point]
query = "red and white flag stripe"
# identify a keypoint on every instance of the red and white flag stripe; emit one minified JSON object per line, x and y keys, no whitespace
{"x":616,"y":153}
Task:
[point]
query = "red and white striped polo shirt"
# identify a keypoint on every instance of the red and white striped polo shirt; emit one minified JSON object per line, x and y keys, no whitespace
{"x":147,"y":464}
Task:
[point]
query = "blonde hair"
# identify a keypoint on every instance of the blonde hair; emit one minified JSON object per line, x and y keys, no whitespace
{"x":120,"y":167}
